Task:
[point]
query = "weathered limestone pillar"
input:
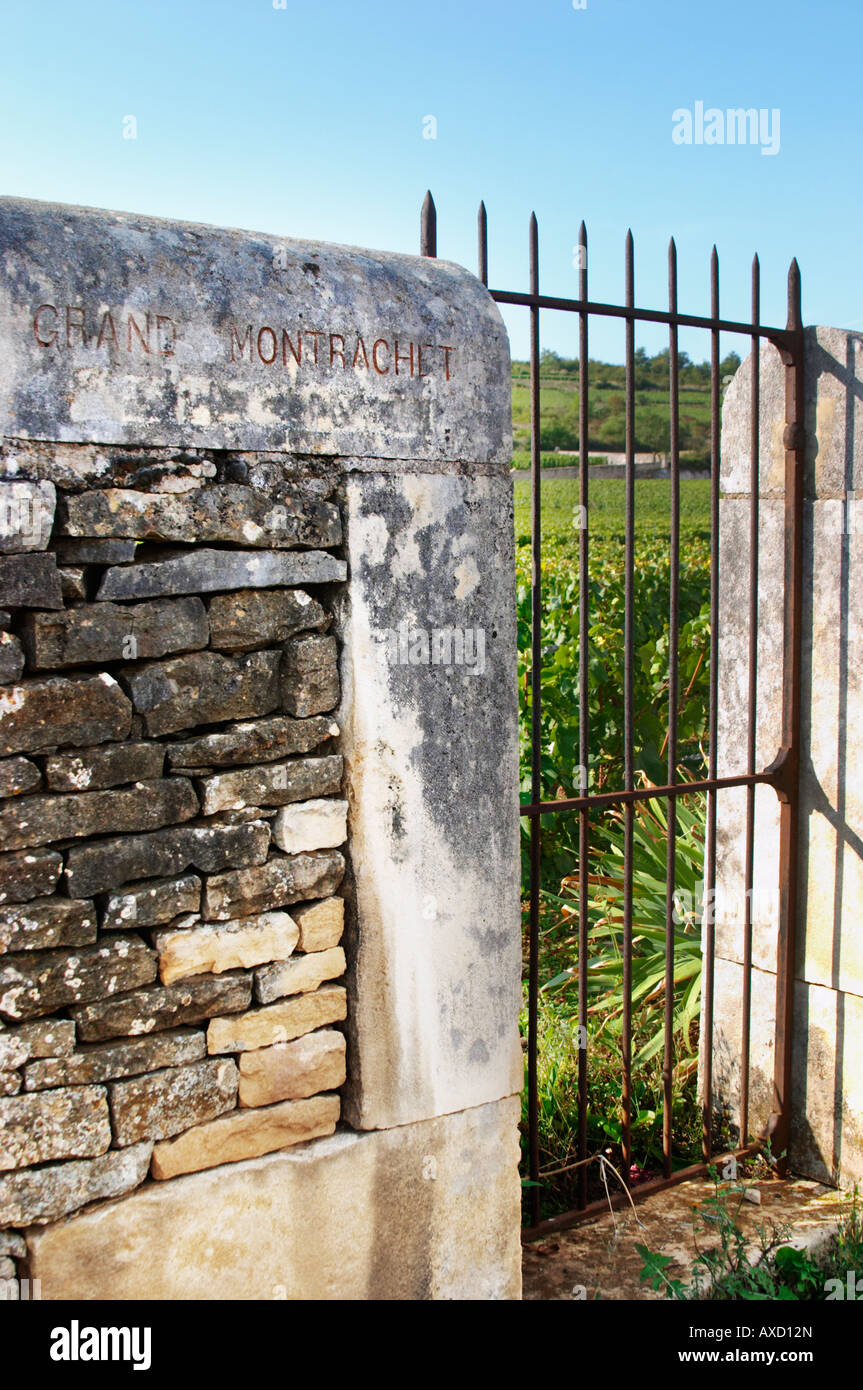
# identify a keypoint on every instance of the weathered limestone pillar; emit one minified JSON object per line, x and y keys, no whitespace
{"x":827,"y":1094}
{"x":431,"y":754}
{"x":259,"y":913}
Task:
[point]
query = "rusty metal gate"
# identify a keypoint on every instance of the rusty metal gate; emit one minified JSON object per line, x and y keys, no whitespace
{"x":782,"y":774}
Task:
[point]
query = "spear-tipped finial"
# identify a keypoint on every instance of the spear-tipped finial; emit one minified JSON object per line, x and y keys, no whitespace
{"x":795,"y":312}
{"x":672,"y":273}
{"x":482,"y":243}
{"x":534,"y":254}
{"x":629,"y":268}
{"x":428,"y":227}
{"x":582,"y":261}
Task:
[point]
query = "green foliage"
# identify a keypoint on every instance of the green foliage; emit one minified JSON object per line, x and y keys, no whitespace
{"x":560,"y":646}
{"x":799,"y":1274}
{"x":653,"y":1271}
{"x":557,"y":1074}
{"x":652,"y":430}
{"x":558,"y":1005}
{"x":559,"y":403}
{"x":756,"y":1267}
{"x":560,"y":433}
{"x":736,"y":1265}
{"x":558,"y":1032}
{"x":849,"y":1238}
{"x":607,"y":497}
{"x":649,"y":371}
{"x":606,"y":887}
{"x":521,"y":460}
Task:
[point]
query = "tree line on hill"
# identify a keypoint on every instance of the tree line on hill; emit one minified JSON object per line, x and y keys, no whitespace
{"x":559,"y":423}
{"x":651,"y":373}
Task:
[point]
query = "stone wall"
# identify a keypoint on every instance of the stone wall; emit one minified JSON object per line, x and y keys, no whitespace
{"x":260,"y":928}
{"x":171,"y":786}
{"x":827,"y":1078}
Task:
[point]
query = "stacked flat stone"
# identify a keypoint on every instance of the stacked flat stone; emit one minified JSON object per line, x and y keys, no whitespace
{"x":171,"y":821}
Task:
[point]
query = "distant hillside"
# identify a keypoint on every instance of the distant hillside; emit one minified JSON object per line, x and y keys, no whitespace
{"x":559,"y":404}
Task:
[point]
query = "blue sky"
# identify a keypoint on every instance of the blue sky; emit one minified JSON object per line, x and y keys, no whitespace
{"x":308,"y":121}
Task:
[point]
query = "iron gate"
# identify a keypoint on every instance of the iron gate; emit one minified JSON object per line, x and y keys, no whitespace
{"x":783,"y":772}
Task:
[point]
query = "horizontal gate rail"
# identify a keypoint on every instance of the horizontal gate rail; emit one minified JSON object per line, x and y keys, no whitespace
{"x":782,"y":337}
{"x":707,"y":784}
{"x":781,"y":775}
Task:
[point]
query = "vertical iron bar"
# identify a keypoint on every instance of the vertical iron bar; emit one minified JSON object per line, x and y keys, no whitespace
{"x":708,"y":929}
{"x":428,"y":227}
{"x":536,"y":725}
{"x":583,"y":724}
{"x":628,"y":710}
{"x":673,"y":640}
{"x":482,"y":240}
{"x":794,"y":441}
{"x":752,"y":697}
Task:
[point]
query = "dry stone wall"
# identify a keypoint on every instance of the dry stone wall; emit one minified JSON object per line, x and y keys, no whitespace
{"x":172,"y":821}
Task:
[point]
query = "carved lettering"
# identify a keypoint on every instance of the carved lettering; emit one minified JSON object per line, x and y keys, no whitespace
{"x":403,"y":357}
{"x":75,"y":323}
{"x":44,"y":342}
{"x":236,"y":343}
{"x":361,"y":347}
{"x":261,"y":353}
{"x":297,"y":353}
{"x":381,"y":342}
{"x":145,"y":342}
{"x":310,"y":334}
{"x":146,"y":334}
{"x":107,"y":319}
{"x":91,"y":328}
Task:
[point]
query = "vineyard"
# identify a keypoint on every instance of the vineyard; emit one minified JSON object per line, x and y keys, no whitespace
{"x":558,"y":1041}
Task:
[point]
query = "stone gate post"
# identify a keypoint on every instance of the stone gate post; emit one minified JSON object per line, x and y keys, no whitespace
{"x":827,"y":1087}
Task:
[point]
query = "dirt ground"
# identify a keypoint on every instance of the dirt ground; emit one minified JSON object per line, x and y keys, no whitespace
{"x":598,"y":1259}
